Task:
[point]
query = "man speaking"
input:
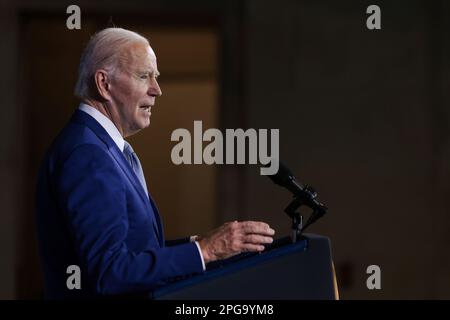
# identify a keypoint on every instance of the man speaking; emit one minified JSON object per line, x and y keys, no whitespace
{"x":94,"y":210}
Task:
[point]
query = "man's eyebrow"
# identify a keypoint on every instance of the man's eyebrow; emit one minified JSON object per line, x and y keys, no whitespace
{"x":152,"y":72}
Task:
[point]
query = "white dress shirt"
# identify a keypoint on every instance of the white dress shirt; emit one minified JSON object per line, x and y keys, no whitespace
{"x":114,"y":133}
{"x":106,"y":123}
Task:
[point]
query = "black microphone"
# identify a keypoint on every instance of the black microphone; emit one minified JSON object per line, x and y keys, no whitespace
{"x":304,"y":194}
{"x":286,"y":179}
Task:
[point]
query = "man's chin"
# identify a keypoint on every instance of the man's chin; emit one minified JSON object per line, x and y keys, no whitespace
{"x":145,"y":123}
{"x":138,"y":127}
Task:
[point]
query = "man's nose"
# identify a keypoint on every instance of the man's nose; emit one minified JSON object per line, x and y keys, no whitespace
{"x":154,"y":89}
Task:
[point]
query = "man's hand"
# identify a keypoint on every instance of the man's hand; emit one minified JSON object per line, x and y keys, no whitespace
{"x":233,"y":238}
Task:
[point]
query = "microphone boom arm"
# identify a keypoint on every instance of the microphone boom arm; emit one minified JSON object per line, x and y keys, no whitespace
{"x":305,"y":197}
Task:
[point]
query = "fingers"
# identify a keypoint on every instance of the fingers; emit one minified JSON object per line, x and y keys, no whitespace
{"x":257,"y":228}
{"x":235,"y":237}
{"x":248,"y":247}
{"x":257,"y":239}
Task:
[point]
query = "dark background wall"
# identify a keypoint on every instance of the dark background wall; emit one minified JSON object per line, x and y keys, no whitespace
{"x":362,"y":114}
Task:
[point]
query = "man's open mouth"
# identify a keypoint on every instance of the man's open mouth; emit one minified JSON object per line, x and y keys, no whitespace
{"x":146,"y":108}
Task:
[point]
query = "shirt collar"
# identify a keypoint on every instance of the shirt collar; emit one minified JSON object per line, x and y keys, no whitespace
{"x":106,"y":123}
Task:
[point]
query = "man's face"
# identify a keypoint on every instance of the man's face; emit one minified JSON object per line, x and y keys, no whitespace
{"x":134,"y":88}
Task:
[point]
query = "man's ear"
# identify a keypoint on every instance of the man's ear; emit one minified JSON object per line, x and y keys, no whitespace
{"x":102,"y":84}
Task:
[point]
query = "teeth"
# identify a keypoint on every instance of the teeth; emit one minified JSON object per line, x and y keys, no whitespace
{"x":147,"y":108}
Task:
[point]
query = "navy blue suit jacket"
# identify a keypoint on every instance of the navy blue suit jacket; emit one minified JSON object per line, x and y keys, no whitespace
{"x":92,"y":212}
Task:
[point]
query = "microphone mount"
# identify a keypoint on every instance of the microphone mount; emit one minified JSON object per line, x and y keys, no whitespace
{"x":305,"y":196}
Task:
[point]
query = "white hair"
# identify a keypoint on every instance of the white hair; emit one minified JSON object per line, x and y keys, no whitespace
{"x":102,"y":52}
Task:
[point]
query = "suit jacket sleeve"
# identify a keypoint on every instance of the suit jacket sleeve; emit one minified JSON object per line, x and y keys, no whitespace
{"x":174,"y":242}
{"x":92,"y":196}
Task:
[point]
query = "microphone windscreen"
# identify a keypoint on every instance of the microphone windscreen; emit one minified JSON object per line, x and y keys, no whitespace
{"x":283,"y":176}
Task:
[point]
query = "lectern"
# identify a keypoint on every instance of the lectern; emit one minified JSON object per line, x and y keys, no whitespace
{"x":285,"y":270}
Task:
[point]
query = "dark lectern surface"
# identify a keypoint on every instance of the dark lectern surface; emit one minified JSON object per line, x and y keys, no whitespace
{"x":285,"y":270}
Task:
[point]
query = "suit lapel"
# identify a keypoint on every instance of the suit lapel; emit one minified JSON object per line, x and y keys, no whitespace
{"x":120,"y":159}
{"x":158,"y":221}
{"x":124,"y":165}
{"x":83,"y":118}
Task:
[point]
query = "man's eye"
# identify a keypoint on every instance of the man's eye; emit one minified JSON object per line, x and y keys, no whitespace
{"x":144,"y":76}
